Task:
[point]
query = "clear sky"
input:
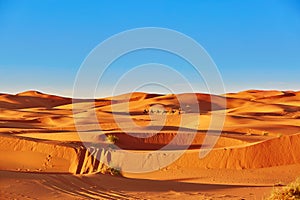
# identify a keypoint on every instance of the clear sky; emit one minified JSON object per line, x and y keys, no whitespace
{"x":254,"y":43}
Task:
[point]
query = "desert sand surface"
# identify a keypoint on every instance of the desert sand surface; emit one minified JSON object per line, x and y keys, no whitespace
{"x":44,"y":154}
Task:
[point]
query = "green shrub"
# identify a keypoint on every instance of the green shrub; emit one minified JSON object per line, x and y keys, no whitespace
{"x":289,"y":192}
{"x":112,"y":138}
{"x":114,"y":171}
{"x":265,"y":133}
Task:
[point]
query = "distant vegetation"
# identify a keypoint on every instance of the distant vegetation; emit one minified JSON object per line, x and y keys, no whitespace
{"x":114,"y":171}
{"x":289,"y":192}
{"x":112,"y":139}
{"x":265,"y":133}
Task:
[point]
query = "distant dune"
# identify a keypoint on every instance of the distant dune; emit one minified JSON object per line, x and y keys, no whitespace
{"x":259,"y":145}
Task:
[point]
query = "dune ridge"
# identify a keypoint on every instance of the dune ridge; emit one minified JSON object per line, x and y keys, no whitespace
{"x":26,"y":154}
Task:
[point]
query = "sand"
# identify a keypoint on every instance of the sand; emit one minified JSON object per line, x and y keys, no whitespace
{"x":42,"y":155}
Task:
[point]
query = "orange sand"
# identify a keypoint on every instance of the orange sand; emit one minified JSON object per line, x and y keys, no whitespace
{"x":42,"y":156}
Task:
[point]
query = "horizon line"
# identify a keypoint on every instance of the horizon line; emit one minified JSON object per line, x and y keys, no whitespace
{"x":145,"y":92}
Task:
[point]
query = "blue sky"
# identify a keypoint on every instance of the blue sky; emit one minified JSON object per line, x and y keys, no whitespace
{"x":255,"y":44}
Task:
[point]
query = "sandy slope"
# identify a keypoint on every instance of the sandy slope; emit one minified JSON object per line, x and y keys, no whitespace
{"x":40,"y":147}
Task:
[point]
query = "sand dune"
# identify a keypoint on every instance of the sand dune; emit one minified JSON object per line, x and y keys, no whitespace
{"x":39,"y":140}
{"x":31,"y":99}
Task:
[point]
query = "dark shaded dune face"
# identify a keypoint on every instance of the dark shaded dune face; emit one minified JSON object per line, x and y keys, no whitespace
{"x":150,"y":96}
{"x":288,"y":94}
{"x":280,"y":97}
{"x":166,"y":141}
{"x":135,"y":96}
